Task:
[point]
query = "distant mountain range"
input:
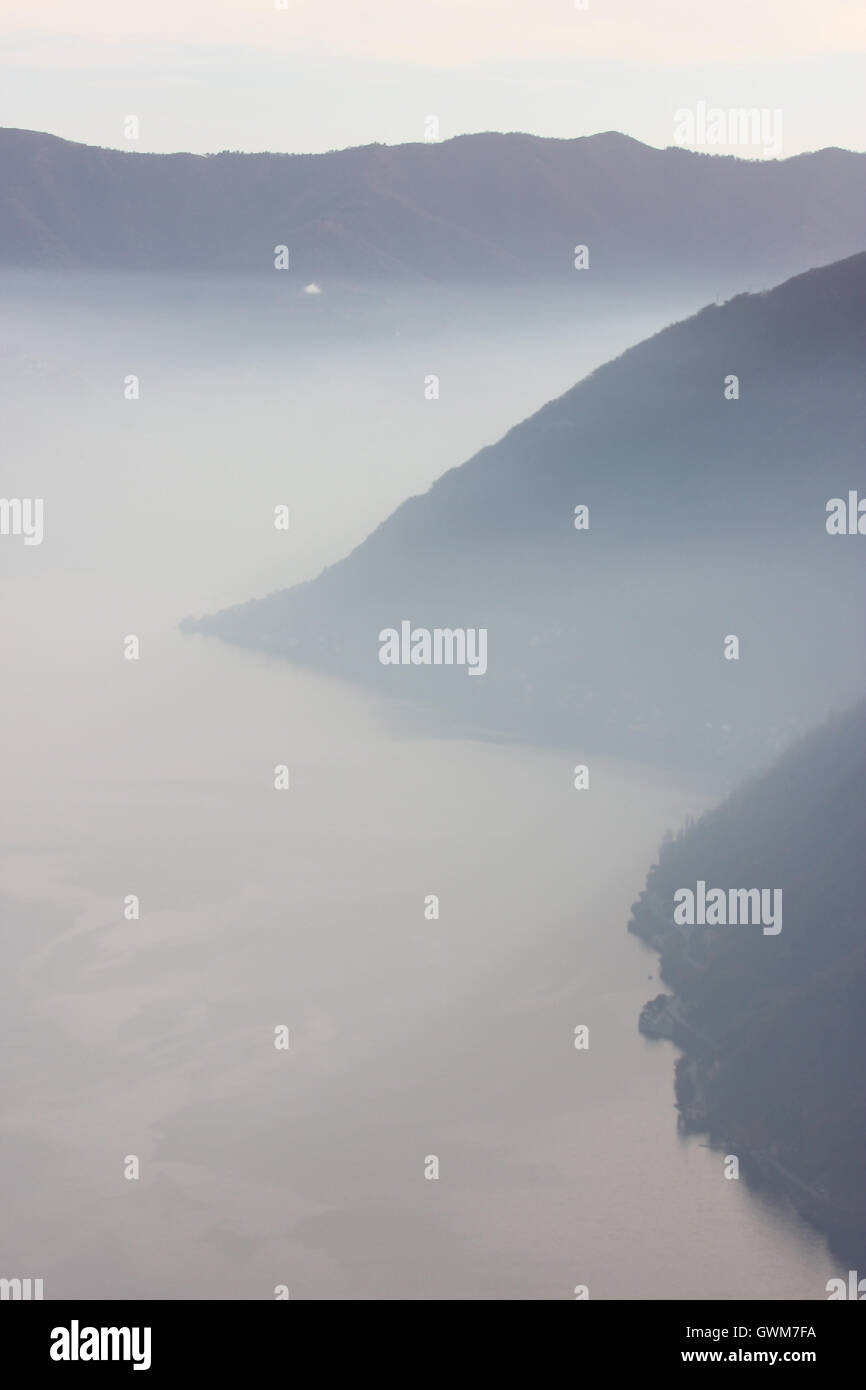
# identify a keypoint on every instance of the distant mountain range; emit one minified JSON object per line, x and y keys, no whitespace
{"x":480,"y":209}
{"x":773,"y":1026}
{"x":707,"y":519}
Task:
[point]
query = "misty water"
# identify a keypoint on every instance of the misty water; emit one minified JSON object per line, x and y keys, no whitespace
{"x":408,"y":1037}
{"x":305,"y":908}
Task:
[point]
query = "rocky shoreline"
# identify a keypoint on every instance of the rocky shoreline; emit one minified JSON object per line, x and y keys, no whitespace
{"x":667,"y":1017}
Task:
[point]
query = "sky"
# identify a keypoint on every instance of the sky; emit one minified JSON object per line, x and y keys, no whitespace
{"x":312,"y":75}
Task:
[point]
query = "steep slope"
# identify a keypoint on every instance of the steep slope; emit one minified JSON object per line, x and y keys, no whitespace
{"x":707,"y":519}
{"x":478,"y":208}
{"x":774,"y":1025}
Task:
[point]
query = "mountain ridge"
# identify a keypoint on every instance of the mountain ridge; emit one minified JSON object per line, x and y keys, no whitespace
{"x":478,"y":208}
{"x":650,"y":444}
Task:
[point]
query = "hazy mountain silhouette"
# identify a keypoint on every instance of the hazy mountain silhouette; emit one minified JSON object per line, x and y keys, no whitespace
{"x":773,"y":1025}
{"x":707,"y":519}
{"x":477,"y":208}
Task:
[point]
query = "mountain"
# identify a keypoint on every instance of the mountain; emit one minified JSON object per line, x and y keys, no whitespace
{"x":477,"y":209}
{"x":707,"y":520}
{"x":773,"y":1025}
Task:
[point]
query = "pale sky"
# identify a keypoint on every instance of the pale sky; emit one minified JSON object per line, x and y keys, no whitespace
{"x":311,"y":75}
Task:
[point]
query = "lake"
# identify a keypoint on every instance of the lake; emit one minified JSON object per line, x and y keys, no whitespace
{"x":408,"y":1037}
